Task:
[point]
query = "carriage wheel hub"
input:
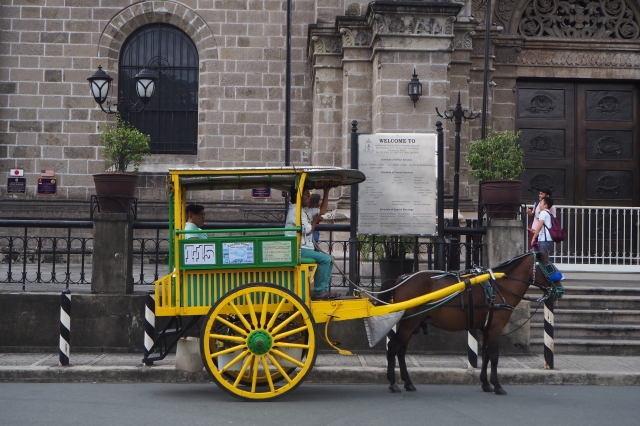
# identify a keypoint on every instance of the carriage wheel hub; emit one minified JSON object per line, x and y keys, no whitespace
{"x":259,"y":342}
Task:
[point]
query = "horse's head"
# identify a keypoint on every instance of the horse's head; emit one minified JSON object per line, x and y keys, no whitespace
{"x":544,"y":277}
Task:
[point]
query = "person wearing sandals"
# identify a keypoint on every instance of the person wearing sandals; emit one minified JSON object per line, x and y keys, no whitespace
{"x":308,"y":223}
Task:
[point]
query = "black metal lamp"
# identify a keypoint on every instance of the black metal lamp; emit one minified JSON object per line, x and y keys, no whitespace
{"x":415,"y":88}
{"x":145,"y":84}
{"x":100,"y":84}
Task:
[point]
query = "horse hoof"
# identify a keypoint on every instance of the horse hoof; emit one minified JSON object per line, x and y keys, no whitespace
{"x":487,"y":388}
{"x":409,"y":387}
{"x":500,"y":391}
{"x":395,"y":389}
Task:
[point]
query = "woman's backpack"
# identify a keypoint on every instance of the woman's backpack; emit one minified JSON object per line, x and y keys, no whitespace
{"x":556,"y":232}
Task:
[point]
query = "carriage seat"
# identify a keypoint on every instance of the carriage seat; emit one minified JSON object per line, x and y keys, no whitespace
{"x":307,"y":261}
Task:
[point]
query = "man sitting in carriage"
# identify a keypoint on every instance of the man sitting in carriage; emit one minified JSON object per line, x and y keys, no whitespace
{"x":308,"y":224}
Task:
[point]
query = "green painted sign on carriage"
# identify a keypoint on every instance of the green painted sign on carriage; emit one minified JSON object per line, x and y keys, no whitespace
{"x":238,"y":251}
{"x":399,"y":195}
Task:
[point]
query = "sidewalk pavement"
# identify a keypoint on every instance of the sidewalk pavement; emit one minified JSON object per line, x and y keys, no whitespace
{"x":332,"y":368}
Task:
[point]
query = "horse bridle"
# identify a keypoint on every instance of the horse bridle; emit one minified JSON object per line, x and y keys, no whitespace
{"x":549,"y":291}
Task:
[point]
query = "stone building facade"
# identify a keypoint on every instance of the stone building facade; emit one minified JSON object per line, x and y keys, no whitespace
{"x":563,"y":72}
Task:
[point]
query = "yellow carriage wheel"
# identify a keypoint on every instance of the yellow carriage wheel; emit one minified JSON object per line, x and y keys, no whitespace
{"x":258,"y":341}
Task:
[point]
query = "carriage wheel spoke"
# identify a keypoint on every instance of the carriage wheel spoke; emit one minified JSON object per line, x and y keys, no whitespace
{"x":279,"y":367}
{"x":290,"y":345}
{"x":290,"y":332}
{"x":267,"y":373}
{"x":232,"y":326}
{"x":275,"y":315}
{"x":252,"y":311}
{"x":256,"y":361}
{"x":227,"y":351}
{"x":263,"y":314}
{"x":288,"y":358}
{"x":228,"y":337}
{"x":240,"y":316}
{"x":246,"y":364}
{"x":233,"y":361}
{"x":285,"y":322}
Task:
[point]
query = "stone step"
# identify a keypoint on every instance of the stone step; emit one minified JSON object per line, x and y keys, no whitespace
{"x":579,"y":290}
{"x":596,"y":302}
{"x":590,"y":331}
{"x":589,"y":316}
{"x":589,"y":347}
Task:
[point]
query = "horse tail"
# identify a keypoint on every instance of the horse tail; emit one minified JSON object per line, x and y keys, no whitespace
{"x":386,"y":296}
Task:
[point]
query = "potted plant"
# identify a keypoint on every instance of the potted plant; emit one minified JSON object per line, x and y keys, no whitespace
{"x":390,"y":251}
{"x":497,"y":162}
{"x":124,"y":145}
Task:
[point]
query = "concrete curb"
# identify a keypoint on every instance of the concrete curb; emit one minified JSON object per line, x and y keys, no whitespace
{"x":324,"y":375}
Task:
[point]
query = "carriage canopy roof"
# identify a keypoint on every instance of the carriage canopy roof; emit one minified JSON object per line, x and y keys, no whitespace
{"x":281,"y":178}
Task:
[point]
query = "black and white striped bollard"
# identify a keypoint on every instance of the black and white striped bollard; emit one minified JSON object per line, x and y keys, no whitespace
{"x":65,"y":327}
{"x":548,"y":334}
{"x":472,"y":348}
{"x":149,"y":324}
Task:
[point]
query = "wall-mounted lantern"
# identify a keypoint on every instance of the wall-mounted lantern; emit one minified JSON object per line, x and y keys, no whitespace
{"x":100,"y":84}
{"x":415,"y":88}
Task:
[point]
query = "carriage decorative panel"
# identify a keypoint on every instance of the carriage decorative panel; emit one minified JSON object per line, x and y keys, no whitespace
{"x":609,"y":145}
{"x":609,"y":105}
{"x":539,"y":103}
{"x":543,"y":143}
{"x":609,"y":184}
{"x":553,"y":179}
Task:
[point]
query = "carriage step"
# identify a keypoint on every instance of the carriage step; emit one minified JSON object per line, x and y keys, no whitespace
{"x":154,"y":357}
{"x":170,"y":332}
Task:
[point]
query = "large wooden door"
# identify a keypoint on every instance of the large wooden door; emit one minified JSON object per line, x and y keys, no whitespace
{"x":580,"y":140}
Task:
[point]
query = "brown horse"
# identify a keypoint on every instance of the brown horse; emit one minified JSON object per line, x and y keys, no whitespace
{"x":491,"y":310}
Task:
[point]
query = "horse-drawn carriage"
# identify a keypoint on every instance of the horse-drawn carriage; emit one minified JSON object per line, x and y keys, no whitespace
{"x":258,"y":338}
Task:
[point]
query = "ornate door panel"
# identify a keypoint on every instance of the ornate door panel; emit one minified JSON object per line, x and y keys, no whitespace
{"x":545,"y":114}
{"x":606,"y":170}
{"x":580,"y":140}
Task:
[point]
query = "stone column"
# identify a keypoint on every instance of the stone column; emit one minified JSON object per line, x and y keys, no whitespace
{"x":112,"y":254}
{"x":504,"y":240}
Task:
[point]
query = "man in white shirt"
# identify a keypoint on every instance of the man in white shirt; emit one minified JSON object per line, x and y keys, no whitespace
{"x":195,"y":220}
{"x":308,"y":223}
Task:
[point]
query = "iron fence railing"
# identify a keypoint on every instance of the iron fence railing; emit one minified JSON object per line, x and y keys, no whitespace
{"x":598,"y":239}
{"x":34,"y":255}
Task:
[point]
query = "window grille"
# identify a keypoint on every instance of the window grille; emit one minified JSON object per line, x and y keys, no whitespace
{"x":171,"y":116}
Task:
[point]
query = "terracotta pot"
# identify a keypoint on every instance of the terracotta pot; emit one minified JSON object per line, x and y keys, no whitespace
{"x":502,"y":198}
{"x":114,"y":191}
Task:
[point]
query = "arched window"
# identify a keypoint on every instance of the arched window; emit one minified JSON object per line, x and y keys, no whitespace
{"x":171,"y":116}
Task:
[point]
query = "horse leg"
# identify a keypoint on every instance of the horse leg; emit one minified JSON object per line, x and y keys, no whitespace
{"x":404,"y":373}
{"x":494,"y":354}
{"x":393,"y":348}
{"x":486,"y":387}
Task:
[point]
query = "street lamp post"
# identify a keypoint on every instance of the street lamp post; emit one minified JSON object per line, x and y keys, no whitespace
{"x":100,"y":85}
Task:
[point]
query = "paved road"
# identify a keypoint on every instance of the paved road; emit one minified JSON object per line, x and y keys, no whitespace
{"x":204,"y":404}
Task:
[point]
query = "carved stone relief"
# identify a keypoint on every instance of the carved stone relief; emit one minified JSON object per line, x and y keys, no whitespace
{"x":407,"y":24}
{"x":605,"y":19}
{"x":327,"y":44}
{"x":580,"y":59}
{"x":507,"y":55}
{"x":363,"y":37}
{"x":502,"y":12}
{"x":347,"y":37}
{"x":465,"y":41}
